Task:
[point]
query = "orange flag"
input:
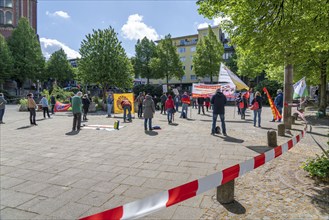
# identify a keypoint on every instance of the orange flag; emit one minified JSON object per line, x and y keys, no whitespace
{"x":275,"y":112}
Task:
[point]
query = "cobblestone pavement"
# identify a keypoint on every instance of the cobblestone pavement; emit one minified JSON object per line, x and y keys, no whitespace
{"x":48,"y":172}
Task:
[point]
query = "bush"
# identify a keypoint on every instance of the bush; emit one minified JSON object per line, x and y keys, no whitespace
{"x":60,"y":94}
{"x":23,"y":102}
{"x":318,"y":167}
{"x":151,"y":89}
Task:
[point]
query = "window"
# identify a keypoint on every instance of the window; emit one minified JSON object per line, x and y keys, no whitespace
{"x":9,"y":3}
{"x":181,"y":50}
{"x":9,"y":17}
{"x":2,"y":18}
{"x":183,"y":78}
{"x":183,"y":59}
{"x":193,"y":49}
{"x":2,"y":3}
{"x":182,"y":42}
{"x":191,"y":67}
{"x":191,"y":57}
{"x":193,"y":77}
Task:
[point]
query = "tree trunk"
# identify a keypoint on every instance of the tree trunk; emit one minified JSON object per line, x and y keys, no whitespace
{"x":323,"y":87}
{"x":104,"y":93}
{"x":211,"y":79}
{"x":167,"y":77}
{"x":288,"y":94}
{"x":148,"y":80}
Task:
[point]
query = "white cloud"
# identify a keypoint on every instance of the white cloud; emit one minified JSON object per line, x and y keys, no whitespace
{"x":136,"y":29}
{"x":216,"y":21}
{"x":49,"y":46}
{"x":61,"y":14}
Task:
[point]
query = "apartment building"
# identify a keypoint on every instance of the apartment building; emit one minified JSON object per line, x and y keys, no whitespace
{"x":186,"y":48}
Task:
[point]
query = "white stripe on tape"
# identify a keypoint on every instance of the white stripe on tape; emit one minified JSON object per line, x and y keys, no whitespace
{"x":209,"y":182}
{"x":145,"y":206}
{"x":269,"y":155}
{"x":246,"y":166}
{"x":284,"y":147}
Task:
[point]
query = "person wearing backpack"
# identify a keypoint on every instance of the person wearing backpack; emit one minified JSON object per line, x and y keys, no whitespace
{"x":257,"y":108}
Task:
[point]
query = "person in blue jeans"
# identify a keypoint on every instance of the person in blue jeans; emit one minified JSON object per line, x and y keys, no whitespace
{"x":126,"y":106}
{"x":218,"y":101}
{"x":278,"y":101}
{"x":257,"y":112}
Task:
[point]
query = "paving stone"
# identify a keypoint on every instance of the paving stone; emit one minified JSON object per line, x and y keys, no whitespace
{"x":47,"y":206}
{"x":26,"y":206}
{"x":134,"y":181}
{"x":13,"y":199}
{"x":105,"y":187}
{"x":30,"y":187}
{"x":148,"y":173}
{"x":72,"y":195}
{"x":85,"y":183}
{"x":184,"y":212}
{"x":11,"y":213}
{"x":8,"y":182}
{"x":63,"y":180}
{"x":53,"y":191}
{"x":95,"y":199}
{"x":71,"y":211}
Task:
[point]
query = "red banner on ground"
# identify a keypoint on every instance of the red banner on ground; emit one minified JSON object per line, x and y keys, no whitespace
{"x":60,"y":107}
{"x":275,"y":112}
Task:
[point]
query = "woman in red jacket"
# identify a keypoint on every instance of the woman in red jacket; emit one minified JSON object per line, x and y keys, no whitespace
{"x":170,"y":107}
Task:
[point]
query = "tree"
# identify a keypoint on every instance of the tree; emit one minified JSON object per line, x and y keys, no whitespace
{"x":208,"y":56}
{"x":6,"y":61}
{"x":166,"y":64}
{"x":104,"y":61}
{"x":145,"y":51}
{"x":279,"y":33}
{"x":26,"y":51}
{"x":58,"y":67}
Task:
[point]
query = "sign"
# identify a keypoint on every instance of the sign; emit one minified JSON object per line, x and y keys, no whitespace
{"x":164,"y":88}
{"x":208,"y":90}
{"x":175,"y":91}
{"x":118,"y":98}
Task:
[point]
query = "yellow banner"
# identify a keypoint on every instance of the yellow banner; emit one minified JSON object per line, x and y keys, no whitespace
{"x":118,"y":98}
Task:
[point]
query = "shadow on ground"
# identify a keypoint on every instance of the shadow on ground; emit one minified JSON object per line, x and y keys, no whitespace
{"x":72,"y":133}
{"x":231,"y":139}
{"x":174,"y":124}
{"x":24,"y":127}
{"x":151,"y":133}
{"x":235,"y":207}
{"x":259,"y":149}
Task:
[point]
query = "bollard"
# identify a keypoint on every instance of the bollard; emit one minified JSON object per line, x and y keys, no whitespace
{"x":225,"y":193}
{"x":281,"y":130}
{"x":271,"y":139}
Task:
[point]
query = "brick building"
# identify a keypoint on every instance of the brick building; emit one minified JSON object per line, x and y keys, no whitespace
{"x":12,"y":10}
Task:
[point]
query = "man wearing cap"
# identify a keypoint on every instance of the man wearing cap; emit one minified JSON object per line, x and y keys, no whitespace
{"x":218,"y":101}
{"x":278,"y":101}
{"x":76,"y":110}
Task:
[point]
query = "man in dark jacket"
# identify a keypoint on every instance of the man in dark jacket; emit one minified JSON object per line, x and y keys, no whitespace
{"x":218,"y":101}
{"x":163,"y":102}
{"x":200,"y":104}
{"x":278,"y":101}
{"x":52,"y":102}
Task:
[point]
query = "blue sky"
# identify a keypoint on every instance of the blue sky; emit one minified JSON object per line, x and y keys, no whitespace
{"x":64,"y":24}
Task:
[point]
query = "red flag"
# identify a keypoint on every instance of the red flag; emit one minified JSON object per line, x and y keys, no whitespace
{"x":275,"y":112}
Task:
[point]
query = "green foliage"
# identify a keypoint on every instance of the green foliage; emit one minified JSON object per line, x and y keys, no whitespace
{"x":104,"y":61}
{"x":23,"y":102}
{"x":208,"y":56}
{"x":58,"y":67}
{"x":151,"y":89}
{"x":6,"y":60}
{"x":60,"y":94}
{"x":145,"y":51}
{"x":272,"y":87}
{"x":46,"y":92}
{"x":318,"y":167}
{"x":167,"y":63}
{"x":26,"y":51}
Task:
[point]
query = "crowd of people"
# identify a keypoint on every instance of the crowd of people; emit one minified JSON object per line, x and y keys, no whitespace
{"x":168,"y":105}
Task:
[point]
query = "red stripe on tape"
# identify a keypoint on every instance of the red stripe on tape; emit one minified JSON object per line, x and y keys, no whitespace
{"x":182,"y":193}
{"x":290,"y":144}
{"x":114,"y":214}
{"x":259,"y":160}
{"x":277,"y":151}
{"x":298,"y":138}
{"x":230,"y":173}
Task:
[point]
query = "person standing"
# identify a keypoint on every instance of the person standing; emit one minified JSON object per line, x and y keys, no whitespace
{"x":76,"y":110}
{"x":163,"y":99}
{"x":44,"y":104}
{"x":200,"y":105}
{"x":278,"y":101}
{"x":177,"y":101}
{"x":185,"y":103}
{"x":251,"y":95}
{"x":243,"y":106}
{"x":85,"y":106}
{"x":238,"y":99}
{"x":140,"y":99}
{"x":31,"y":105}
{"x":109,"y":104}
{"x":3,"y":103}
{"x":257,"y":112}
{"x":207,"y":103}
{"x":148,"y":111}
{"x":126,"y":105}
{"x":218,"y":101}
{"x":52,"y":102}
{"x":170,"y":107}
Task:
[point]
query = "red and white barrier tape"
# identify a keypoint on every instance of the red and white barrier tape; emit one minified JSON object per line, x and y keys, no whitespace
{"x":183,"y":192}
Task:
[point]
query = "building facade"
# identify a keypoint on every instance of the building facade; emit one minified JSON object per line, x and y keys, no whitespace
{"x":12,"y":10}
{"x":186,"y":48}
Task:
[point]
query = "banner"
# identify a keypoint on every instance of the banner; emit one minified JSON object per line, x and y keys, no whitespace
{"x":275,"y":112}
{"x":164,"y":88}
{"x":227,"y":76}
{"x":118,"y":99}
{"x":60,"y":107}
{"x":300,"y":89}
{"x":208,"y":90}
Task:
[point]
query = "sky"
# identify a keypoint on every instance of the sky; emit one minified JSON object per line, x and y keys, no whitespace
{"x":64,"y":24}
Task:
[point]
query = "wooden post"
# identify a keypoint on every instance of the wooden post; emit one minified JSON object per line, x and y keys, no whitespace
{"x":225,"y":193}
{"x":281,"y":129}
{"x":288,"y":94}
{"x":271,"y":139}
{"x":291,"y":120}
